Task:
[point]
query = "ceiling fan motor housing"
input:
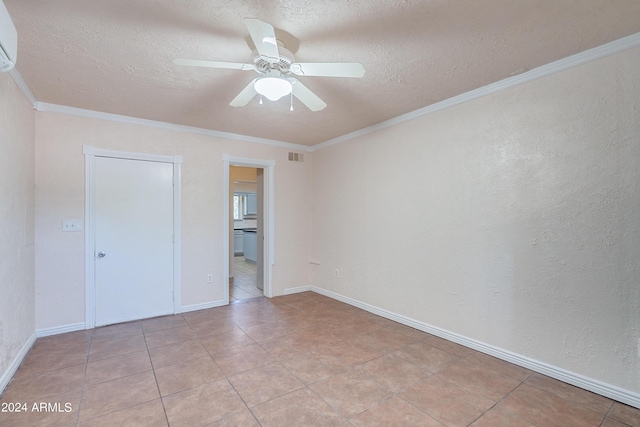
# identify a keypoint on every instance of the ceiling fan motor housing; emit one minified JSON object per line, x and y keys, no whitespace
{"x":264,"y":65}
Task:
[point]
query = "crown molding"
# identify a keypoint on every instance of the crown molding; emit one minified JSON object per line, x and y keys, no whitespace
{"x":608,"y":49}
{"x":590,"y":55}
{"x":22,"y":85}
{"x":62,"y":109}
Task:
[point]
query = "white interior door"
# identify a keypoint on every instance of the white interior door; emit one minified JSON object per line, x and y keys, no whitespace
{"x":133,"y":239}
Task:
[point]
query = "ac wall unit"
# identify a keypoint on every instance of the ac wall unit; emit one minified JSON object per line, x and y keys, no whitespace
{"x":8,"y":40}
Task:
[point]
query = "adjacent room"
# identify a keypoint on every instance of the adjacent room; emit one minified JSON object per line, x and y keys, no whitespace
{"x":320,"y":213}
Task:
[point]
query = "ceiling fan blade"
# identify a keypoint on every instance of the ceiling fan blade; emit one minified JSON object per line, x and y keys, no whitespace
{"x":245,"y":96}
{"x":308,"y":98}
{"x":264,"y":37}
{"x":344,"y":69}
{"x":213,"y":64}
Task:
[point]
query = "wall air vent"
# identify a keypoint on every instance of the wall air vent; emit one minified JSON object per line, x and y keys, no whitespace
{"x":296,"y":157}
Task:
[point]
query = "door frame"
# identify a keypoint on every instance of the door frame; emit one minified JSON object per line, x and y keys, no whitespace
{"x":90,"y":154}
{"x":267,"y":213}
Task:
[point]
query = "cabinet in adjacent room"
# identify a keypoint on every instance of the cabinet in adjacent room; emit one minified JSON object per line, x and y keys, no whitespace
{"x":252,"y":204}
{"x":250,"y":245}
{"x":238,"y":242}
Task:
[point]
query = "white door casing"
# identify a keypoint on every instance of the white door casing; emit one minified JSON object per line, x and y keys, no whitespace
{"x":260,"y":230}
{"x":139,"y":278}
{"x":267,"y":218}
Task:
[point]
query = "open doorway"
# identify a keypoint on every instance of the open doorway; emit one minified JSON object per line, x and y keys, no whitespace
{"x":248,"y":218}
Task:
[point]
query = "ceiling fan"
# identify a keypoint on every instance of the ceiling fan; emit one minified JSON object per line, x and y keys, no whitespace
{"x":276,"y":67}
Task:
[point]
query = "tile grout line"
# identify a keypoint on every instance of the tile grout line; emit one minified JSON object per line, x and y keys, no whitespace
{"x":279,"y":362}
{"x":225,"y":376}
{"x":155,"y":377}
{"x":349,"y":368}
{"x":84,"y":379}
{"x":119,"y":378}
{"x":503,"y":398}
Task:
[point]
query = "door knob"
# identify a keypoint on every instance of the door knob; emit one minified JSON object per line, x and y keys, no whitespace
{"x":101,"y":254}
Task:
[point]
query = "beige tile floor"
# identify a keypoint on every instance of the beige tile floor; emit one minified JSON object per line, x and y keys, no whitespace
{"x":297,"y":360}
{"x":242,"y":285}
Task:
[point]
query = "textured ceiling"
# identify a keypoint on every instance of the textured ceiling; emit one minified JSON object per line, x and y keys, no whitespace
{"x":115,"y":56}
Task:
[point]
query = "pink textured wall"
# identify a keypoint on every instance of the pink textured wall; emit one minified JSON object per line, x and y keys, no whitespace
{"x":511,"y":220}
{"x":17,"y":145}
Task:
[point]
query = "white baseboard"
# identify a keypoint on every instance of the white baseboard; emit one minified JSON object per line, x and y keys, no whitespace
{"x":60,"y":330}
{"x":15,"y":363}
{"x":194,"y":307}
{"x":590,"y":384}
{"x":81,"y":326}
{"x":297,"y":290}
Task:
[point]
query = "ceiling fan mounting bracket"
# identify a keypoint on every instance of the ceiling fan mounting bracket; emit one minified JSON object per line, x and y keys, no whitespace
{"x":264,"y":64}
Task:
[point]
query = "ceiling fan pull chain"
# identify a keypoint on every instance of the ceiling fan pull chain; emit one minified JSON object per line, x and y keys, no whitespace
{"x":291,"y":96}
{"x":260,"y":99}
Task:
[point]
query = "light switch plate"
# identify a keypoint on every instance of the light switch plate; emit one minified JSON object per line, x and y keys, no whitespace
{"x":71,"y":225}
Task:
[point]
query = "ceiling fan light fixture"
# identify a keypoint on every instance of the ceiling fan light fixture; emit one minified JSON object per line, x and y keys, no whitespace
{"x":272,"y":88}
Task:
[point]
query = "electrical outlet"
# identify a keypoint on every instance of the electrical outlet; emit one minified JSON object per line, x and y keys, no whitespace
{"x":209,"y":278}
{"x":337,"y":273}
